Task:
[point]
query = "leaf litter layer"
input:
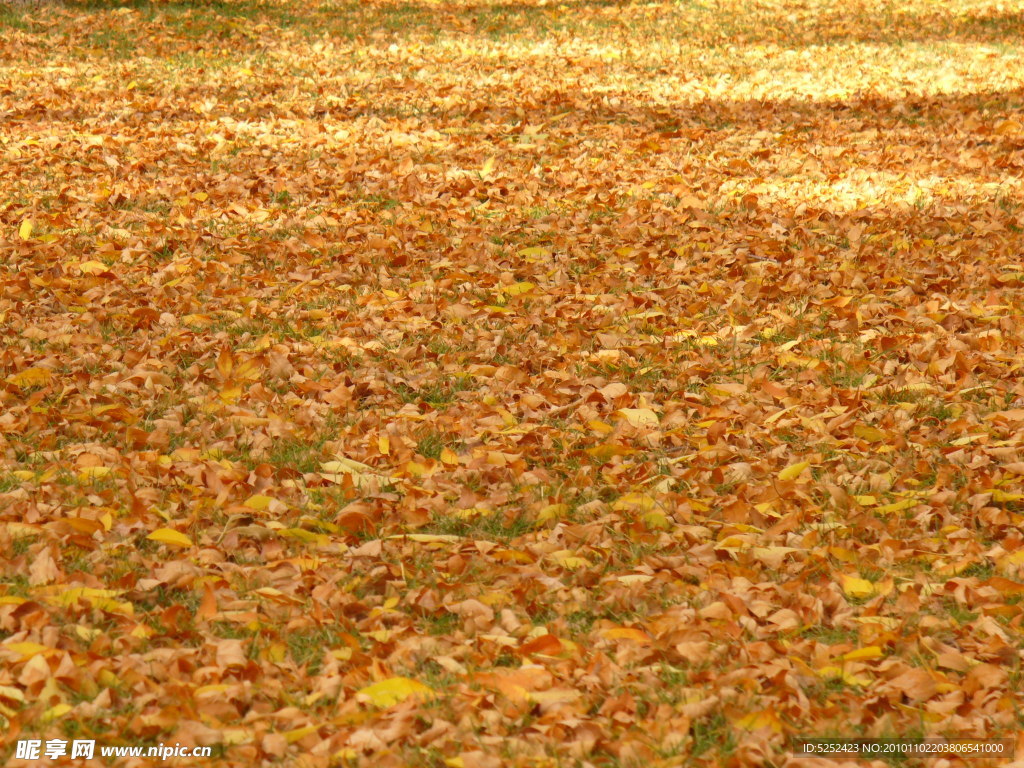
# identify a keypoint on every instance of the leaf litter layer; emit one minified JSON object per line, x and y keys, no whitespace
{"x":481,"y":384}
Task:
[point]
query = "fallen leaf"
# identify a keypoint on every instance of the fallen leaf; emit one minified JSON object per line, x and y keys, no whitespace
{"x":171,"y":537}
{"x":394,"y":690}
{"x":793,"y":470}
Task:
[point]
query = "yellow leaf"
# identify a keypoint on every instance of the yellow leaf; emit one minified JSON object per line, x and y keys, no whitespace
{"x":345,"y":465}
{"x":568,"y":560}
{"x":470,"y":514}
{"x":98,"y":598}
{"x":833,"y":672}
{"x":87,"y":633}
{"x":384,"y":445}
{"x":754,"y":721}
{"x":93,"y":267}
{"x":1016,"y":558}
{"x":301,"y":534}
{"x":638,"y":501}
{"x":843,"y":554}
{"x":449,"y":457}
{"x":26,"y":649}
{"x":868,"y":652}
{"x":552,"y":512}
{"x":793,"y":470}
{"x":1003,"y":496}
{"x":488,"y":166}
{"x":657,"y":521}
{"x":856,"y":587}
{"x":25,"y":230}
{"x":297,"y":734}
{"x":869,"y":434}
{"x":55,"y":712}
{"x":639,"y":417}
{"x":258,"y":502}
{"x":866,"y":501}
{"x":599,"y":426}
{"x":535,"y":252}
{"x":897,"y":506}
{"x":517,"y":289}
{"x":734,"y":542}
{"x":230,"y":395}
{"x":171,"y":537}
{"x":92,"y":474}
{"x":415,"y":468}
{"x":606,"y":451}
{"x":31,"y":377}
{"x":394,"y":690}
{"x":248,"y":370}
{"x":427,"y":538}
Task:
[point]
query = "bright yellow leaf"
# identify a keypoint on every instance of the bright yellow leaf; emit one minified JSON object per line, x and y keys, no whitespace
{"x":869,"y":434}
{"x":394,"y":690}
{"x":754,"y":721}
{"x":26,"y":649}
{"x":31,"y":377}
{"x":1002,"y":496}
{"x":93,"y":267}
{"x":566,"y":559}
{"x":868,"y":652}
{"x":517,"y":289}
{"x":896,"y":506}
{"x":657,"y":521}
{"x":833,"y":673}
{"x":856,"y":587}
{"x":535,"y":252}
{"x":55,"y":712}
{"x":793,"y":470}
{"x":296,"y":734}
{"x":92,"y":474}
{"x":230,"y":395}
{"x":635,"y":501}
{"x":170,"y":536}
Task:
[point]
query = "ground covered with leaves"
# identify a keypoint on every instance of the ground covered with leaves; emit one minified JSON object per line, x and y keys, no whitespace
{"x":483,"y":384}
